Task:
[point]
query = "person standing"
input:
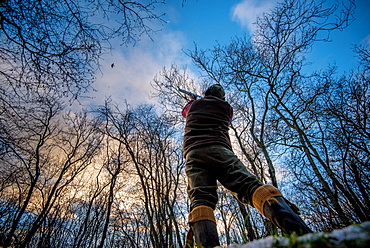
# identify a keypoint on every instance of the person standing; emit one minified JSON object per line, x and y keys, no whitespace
{"x":210,"y":158}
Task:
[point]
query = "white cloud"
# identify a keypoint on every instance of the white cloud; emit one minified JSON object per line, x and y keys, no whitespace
{"x":246,"y":11}
{"x":366,"y":41}
{"x":134,"y":69}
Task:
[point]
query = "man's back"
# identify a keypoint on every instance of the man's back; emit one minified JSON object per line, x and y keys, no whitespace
{"x":207,"y":123}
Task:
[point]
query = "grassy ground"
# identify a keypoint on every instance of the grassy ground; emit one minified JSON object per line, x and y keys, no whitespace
{"x":355,"y":236}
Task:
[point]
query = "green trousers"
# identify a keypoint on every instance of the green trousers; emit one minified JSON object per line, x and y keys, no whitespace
{"x":206,"y":165}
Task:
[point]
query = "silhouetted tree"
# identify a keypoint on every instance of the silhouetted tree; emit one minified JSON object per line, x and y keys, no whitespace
{"x":57,"y":44}
{"x":157,"y":161}
{"x":49,"y":54}
{"x":281,"y":112}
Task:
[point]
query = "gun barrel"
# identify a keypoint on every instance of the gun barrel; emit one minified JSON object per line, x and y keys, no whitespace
{"x":189,"y":93}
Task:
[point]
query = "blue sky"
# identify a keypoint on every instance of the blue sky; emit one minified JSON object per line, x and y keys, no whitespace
{"x":206,"y":22}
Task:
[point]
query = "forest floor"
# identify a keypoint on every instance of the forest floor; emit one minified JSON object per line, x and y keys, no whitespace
{"x":354,"y":236}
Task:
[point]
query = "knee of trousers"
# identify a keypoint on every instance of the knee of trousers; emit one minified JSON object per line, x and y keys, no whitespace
{"x":201,"y":213}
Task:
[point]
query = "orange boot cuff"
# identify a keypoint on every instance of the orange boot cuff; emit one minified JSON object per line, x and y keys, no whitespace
{"x":262,"y":194}
{"x":201,"y":213}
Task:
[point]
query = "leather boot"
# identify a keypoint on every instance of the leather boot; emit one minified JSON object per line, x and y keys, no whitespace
{"x":283,"y":215}
{"x":205,"y":233}
{"x":270,"y":203}
{"x":203,"y":226}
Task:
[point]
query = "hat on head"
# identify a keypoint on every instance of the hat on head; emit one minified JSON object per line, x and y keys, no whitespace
{"x":215,"y":90}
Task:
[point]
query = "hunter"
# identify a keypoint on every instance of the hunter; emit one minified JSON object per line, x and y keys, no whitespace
{"x":210,"y":158}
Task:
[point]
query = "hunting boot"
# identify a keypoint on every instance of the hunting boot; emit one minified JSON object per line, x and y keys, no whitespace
{"x":203,"y":226}
{"x":269,"y":201}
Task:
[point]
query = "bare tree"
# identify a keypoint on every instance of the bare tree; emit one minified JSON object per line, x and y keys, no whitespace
{"x":49,"y":53}
{"x":158,"y":164}
{"x":44,"y":154}
{"x":283,"y":117}
{"x":57,"y":44}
